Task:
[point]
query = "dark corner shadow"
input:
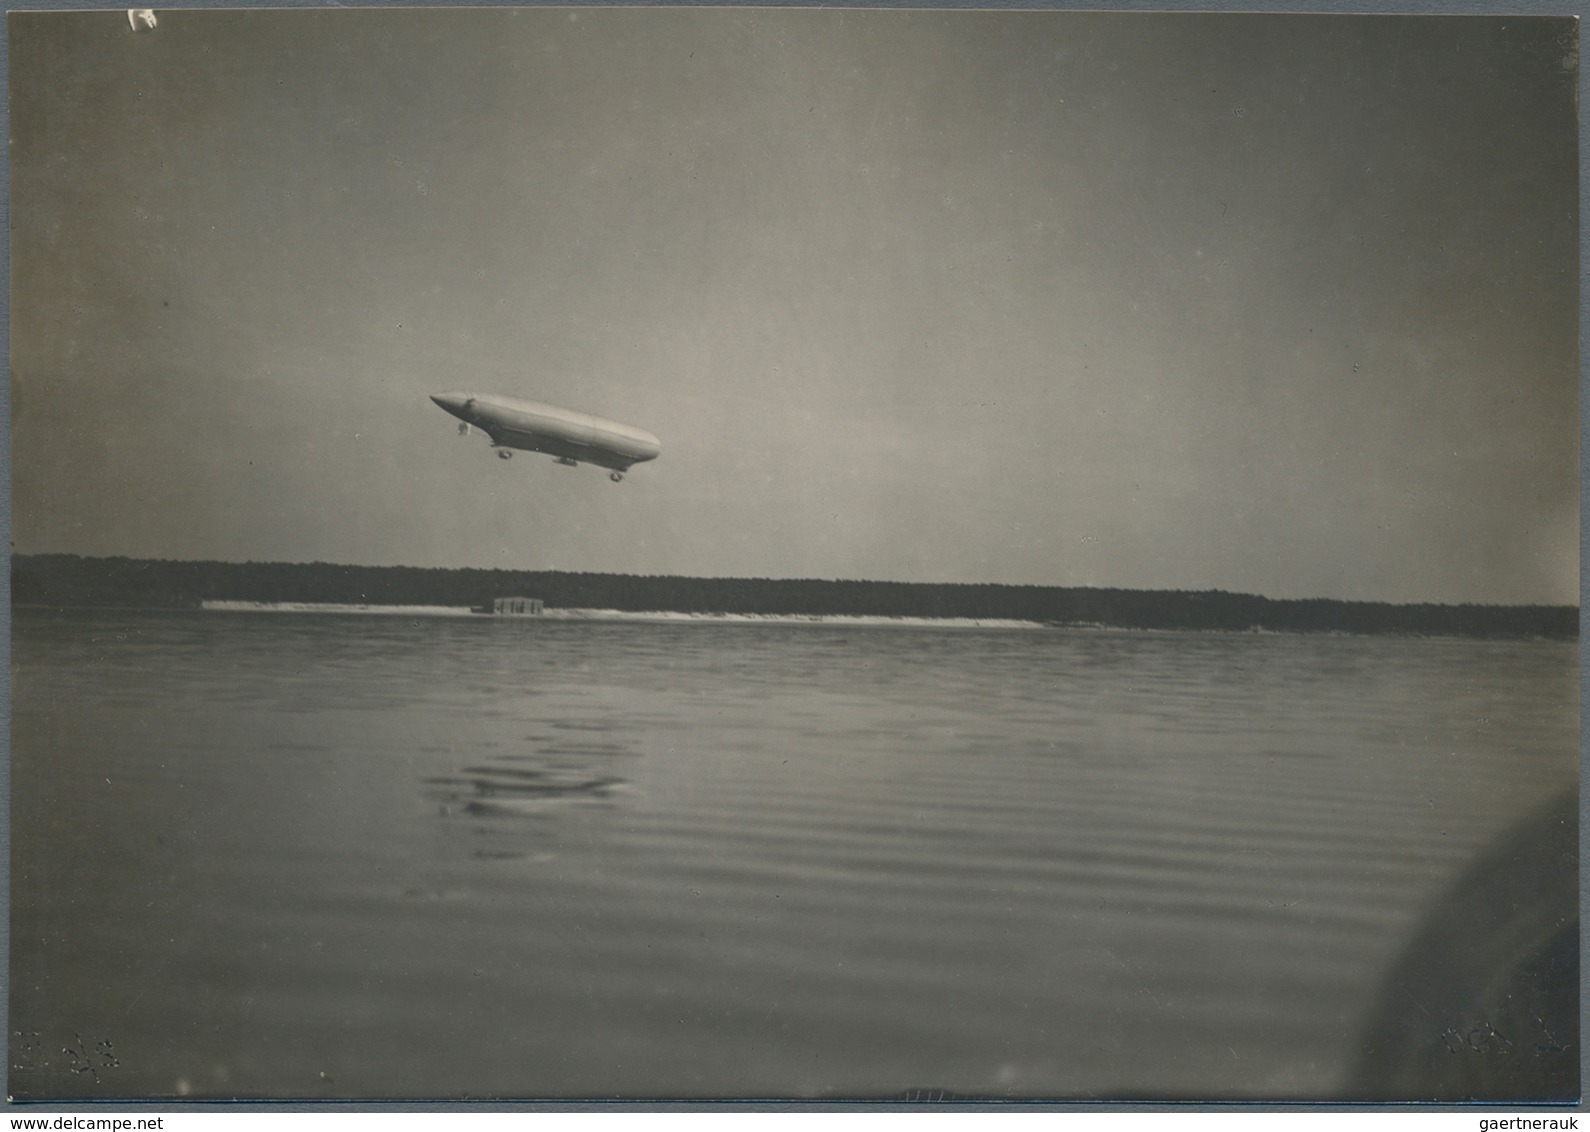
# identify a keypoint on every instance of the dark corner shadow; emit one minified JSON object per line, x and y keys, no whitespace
{"x":1483,"y":1005}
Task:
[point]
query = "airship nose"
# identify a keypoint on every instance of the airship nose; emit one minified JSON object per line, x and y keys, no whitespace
{"x":452,"y":402}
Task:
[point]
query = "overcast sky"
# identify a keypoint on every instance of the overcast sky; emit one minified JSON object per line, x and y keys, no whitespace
{"x":1284,"y":305}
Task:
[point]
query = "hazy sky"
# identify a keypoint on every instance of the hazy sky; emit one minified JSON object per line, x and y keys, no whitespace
{"x":1284,"y":305}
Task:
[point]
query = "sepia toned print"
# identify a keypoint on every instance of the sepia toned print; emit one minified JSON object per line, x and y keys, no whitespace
{"x":1039,"y":560}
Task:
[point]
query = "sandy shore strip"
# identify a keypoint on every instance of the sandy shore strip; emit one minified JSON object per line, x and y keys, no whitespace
{"x":658,"y":616}
{"x":336,"y":607}
{"x":787,"y":619}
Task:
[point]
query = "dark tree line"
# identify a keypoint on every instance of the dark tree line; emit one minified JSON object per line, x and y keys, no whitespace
{"x":68,"y":580}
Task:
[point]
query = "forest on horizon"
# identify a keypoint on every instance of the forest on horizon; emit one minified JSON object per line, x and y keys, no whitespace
{"x":67,"y":581}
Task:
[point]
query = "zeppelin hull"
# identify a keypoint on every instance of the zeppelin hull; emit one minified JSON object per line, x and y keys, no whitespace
{"x":562,"y":433}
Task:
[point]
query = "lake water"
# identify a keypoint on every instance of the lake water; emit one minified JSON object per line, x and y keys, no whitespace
{"x":339,"y":856}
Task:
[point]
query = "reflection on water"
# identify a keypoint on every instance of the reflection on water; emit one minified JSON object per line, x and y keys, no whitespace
{"x":502,"y":804}
{"x":336,"y":856}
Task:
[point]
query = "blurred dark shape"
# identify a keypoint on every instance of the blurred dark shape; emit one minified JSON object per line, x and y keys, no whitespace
{"x":1484,"y":1003}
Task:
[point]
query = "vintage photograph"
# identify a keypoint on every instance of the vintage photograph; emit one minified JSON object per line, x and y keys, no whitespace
{"x":910,"y":556}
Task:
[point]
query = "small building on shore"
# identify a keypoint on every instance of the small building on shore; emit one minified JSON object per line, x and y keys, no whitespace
{"x":517,"y":606}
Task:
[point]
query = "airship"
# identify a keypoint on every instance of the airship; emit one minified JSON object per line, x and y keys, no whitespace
{"x":570,"y":438}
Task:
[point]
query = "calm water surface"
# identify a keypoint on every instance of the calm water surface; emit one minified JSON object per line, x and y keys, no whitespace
{"x":326,"y":856}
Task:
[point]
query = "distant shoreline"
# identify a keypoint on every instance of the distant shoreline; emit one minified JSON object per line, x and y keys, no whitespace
{"x":66,"y":581}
